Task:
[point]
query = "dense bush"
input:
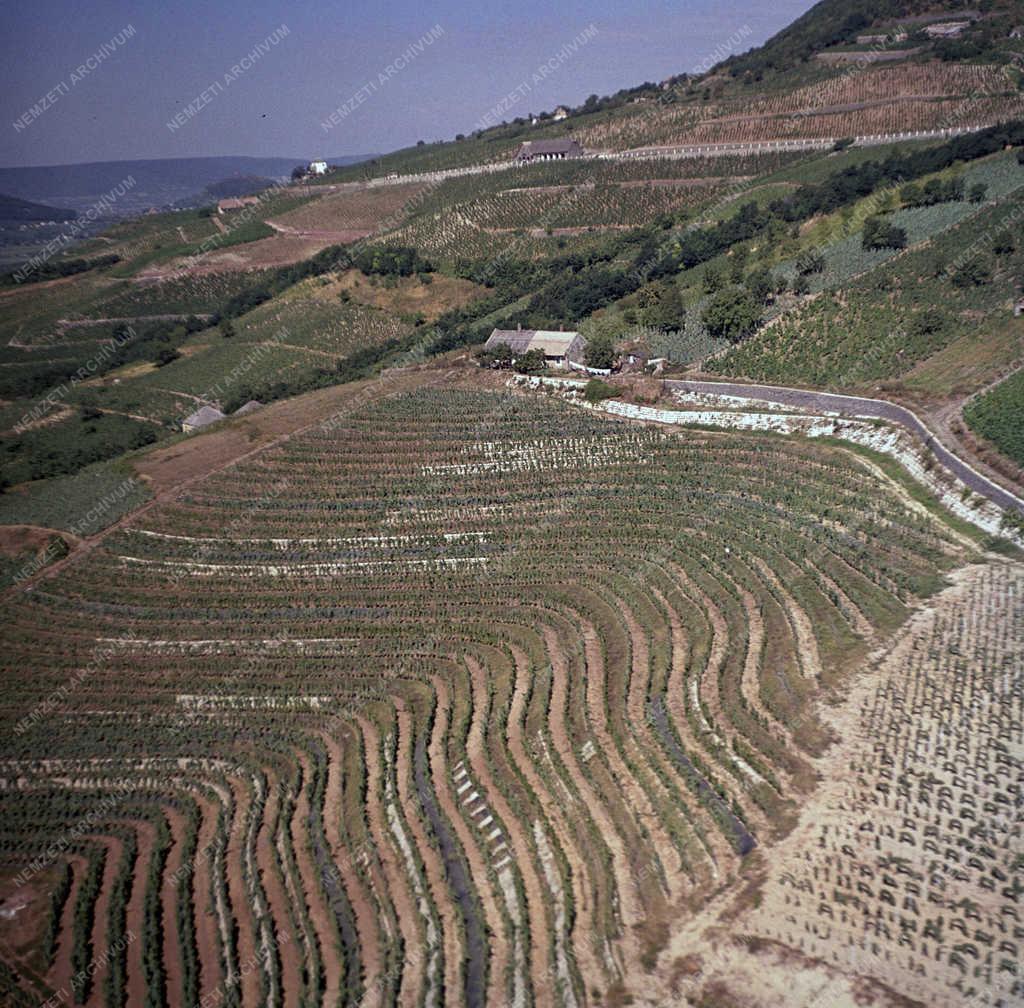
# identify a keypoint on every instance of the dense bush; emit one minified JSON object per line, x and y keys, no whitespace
{"x":53,"y":269}
{"x":732,"y":314}
{"x":879,"y":234}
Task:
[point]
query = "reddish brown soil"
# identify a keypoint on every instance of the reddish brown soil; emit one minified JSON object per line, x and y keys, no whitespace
{"x":135,"y":981}
{"x":517,"y":837}
{"x":359,"y":899}
{"x":114,"y":849}
{"x":169,"y":904}
{"x":394,"y":868}
{"x":289,"y":949}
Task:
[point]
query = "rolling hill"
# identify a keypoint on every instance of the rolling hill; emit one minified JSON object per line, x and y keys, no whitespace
{"x":439,"y":680}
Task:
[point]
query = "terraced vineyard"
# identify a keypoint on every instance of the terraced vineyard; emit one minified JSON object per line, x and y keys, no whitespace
{"x":461,"y":697}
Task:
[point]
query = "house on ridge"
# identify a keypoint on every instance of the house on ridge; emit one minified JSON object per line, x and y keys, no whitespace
{"x":549,"y":150}
{"x":236,"y":203}
{"x":203,"y":417}
{"x":560,"y":349}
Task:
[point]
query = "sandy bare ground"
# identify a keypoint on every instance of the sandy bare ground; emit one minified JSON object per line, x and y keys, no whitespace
{"x":773,"y":946}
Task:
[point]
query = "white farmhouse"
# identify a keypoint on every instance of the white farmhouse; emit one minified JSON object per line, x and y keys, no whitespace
{"x":318,"y":167}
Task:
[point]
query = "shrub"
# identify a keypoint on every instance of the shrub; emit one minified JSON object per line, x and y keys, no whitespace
{"x":732,"y":314}
{"x":600,"y":351}
{"x":596,"y":390}
{"x":878,"y":234}
{"x":532,"y":362}
{"x":974,"y":273}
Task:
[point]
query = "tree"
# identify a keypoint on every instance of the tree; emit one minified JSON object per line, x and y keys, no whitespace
{"x":879,"y":234}
{"x":732,"y":314}
{"x":227,"y":330}
{"x":663,"y":306}
{"x":299,"y":172}
{"x":978,"y":193}
{"x":166,"y":356}
{"x":714,"y":279}
{"x":599,"y":351}
{"x":810,"y":261}
{"x":1004,"y":243}
{"x":973,"y":273}
{"x":596,"y":390}
{"x":531,"y":362}
{"x":926,"y":322}
{"x":738,"y":263}
{"x":761,"y":284}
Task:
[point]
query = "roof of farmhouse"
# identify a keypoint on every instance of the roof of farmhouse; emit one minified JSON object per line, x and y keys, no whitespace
{"x":203,"y":416}
{"x":552,"y":343}
{"x":563,"y":146}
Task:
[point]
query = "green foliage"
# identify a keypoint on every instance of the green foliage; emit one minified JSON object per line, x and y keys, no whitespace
{"x":84,"y":503}
{"x":879,"y":234}
{"x":395,"y":260}
{"x":599,"y":351}
{"x":974,"y":273}
{"x":935,"y":190}
{"x":531,"y":362}
{"x":596,"y":390}
{"x":854,"y":183}
{"x":810,"y":261}
{"x":998,"y":415}
{"x":662,"y":306}
{"x":66,"y":447}
{"x":58,"y":897}
{"x":732,"y":314}
{"x":54,"y":268}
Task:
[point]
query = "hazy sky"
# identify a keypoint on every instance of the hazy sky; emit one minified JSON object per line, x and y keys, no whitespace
{"x":101,"y":80}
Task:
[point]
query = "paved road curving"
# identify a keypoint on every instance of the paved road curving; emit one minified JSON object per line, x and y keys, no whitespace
{"x":857,"y":407}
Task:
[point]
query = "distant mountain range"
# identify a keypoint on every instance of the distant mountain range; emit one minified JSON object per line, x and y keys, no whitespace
{"x":135,"y":186}
{"x":17,"y":210}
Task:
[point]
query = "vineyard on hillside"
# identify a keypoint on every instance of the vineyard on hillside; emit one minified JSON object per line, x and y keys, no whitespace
{"x":998,"y":414}
{"x":463,"y":697}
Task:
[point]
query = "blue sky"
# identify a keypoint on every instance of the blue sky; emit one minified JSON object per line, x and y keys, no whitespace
{"x":177,"y":58}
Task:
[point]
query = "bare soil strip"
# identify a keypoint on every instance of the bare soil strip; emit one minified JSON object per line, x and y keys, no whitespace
{"x":398,"y":884}
{"x":362,"y":907}
{"x":289,"y":947}
{"x":555,"y":818}
{"x":517,"y":835}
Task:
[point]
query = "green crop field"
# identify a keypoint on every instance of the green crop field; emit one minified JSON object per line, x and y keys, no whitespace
{"x":998,"y":415}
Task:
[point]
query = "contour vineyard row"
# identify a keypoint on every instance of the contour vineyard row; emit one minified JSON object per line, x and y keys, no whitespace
{"x":462,"y":699}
